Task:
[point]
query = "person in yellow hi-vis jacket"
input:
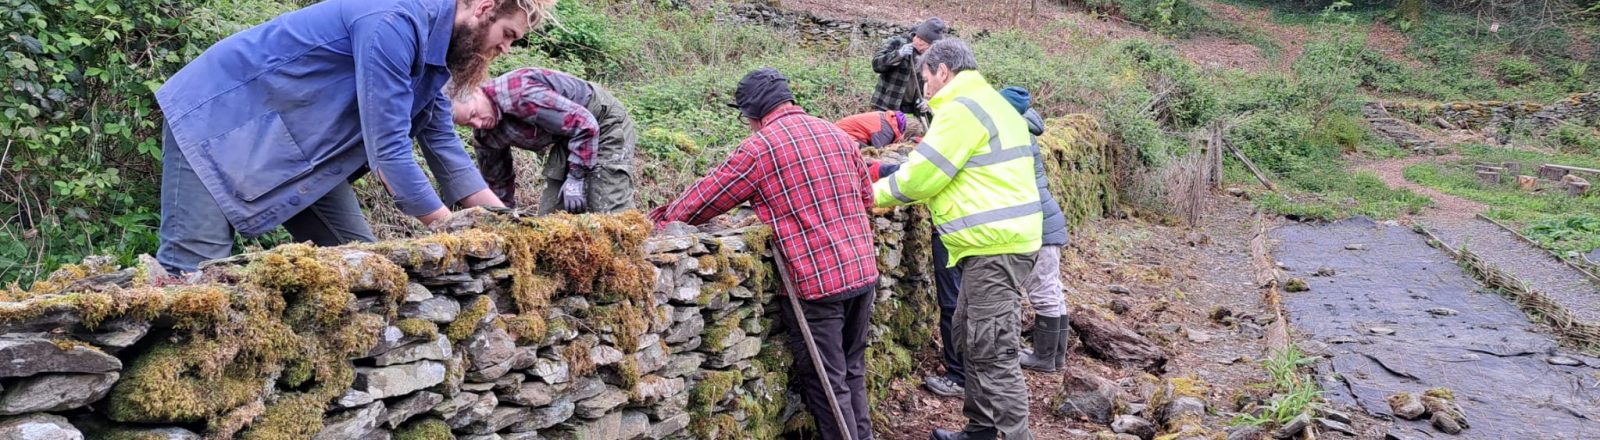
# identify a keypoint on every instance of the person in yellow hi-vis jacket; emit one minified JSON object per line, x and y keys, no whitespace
{"x":974,"y":170}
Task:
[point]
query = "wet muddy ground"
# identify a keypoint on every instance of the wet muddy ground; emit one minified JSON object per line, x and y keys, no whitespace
{"x":1393,"y":314}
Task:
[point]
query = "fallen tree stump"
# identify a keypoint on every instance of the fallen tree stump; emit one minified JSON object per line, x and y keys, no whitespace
{"x":1107,"y":340}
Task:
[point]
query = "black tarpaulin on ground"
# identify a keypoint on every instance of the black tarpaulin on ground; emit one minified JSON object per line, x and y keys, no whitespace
{"x":1398,"y":315}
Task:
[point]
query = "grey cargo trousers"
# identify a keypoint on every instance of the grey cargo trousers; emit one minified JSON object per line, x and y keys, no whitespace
{"x":987,"y":333}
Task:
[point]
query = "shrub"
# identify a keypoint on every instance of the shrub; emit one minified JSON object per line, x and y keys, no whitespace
{"x":1577,"y":139}
{"x":1516,"y":70}
{"x":81,"y":121}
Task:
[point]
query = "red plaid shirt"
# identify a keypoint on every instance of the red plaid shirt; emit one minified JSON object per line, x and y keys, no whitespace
{"x":805,"y":178}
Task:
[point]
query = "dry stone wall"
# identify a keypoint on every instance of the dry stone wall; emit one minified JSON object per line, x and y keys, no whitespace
{"x":497,"y":327}
{"x":480,"y":333}
{"x":1582,"y":108}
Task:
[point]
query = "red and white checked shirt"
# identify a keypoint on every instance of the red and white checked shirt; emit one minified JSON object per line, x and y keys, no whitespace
{"x":804,"y":177}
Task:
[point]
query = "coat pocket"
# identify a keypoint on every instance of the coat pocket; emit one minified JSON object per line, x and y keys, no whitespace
{"x":993,"y":328}
{"x":257,"y":157}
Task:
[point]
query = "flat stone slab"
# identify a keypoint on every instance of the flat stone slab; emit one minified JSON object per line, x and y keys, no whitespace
{"x":1487,"y":353}
{"x":27,"y":357}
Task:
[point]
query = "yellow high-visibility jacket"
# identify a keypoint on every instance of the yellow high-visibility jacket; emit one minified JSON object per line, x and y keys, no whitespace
{"x":974,"y":169}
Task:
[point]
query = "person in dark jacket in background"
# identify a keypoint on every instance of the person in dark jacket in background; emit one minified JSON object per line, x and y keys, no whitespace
{"x":587,"y":135}
{"x":1051,"y":326}
{"x":806,"y":179}
{"x":899,"y":88}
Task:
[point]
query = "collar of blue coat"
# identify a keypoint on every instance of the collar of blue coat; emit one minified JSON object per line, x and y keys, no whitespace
{"x":444,"y":19}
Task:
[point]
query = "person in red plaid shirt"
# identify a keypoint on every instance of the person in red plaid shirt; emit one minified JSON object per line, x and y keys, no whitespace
{"x":804,"y":177}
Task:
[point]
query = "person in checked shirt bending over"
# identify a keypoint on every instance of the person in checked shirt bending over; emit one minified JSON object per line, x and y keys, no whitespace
{"x":587,"y":135}
{"x":806,"y":179}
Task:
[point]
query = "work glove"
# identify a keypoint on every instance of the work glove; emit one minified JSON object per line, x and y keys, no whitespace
{"x":572,"y":193}
{"x":908,"y":50}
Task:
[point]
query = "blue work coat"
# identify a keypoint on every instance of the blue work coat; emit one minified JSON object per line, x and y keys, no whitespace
{"x":274,"y":117}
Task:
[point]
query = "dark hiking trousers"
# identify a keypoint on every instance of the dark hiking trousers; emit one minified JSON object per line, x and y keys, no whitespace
{"x":194,"y":230}
{"x":840,"y":330}
{"x":988,"y":336}
{"x":947,"y":284}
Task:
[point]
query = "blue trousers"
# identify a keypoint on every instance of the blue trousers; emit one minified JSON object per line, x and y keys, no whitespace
{"x":947,"y":284}
{"x":194,"y":230}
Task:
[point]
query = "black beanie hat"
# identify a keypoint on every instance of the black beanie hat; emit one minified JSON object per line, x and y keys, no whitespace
{"x":761,"y":91}
{"x":930,"y":31}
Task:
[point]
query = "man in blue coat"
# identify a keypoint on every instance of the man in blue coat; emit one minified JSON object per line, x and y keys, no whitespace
{"x":269,"y":126}
{"x":1052,"y":328}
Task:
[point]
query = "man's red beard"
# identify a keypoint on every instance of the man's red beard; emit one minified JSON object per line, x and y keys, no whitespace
{"x":468,"y":58}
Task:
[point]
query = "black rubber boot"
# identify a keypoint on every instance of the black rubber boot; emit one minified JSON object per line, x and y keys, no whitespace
{"x":1049,"y":342}
{"x":987,"y":434}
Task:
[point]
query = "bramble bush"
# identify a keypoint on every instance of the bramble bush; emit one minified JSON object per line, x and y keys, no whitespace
{"x":80,"y":121}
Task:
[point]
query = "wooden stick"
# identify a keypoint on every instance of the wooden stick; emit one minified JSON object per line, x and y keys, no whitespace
{"x":1251,"y":165}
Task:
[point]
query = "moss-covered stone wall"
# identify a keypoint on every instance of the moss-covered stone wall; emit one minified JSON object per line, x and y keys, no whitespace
{"x":1581,"y":108}
{"x":498,"y":327}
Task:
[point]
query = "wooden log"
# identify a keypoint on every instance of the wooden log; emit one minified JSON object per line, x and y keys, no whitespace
{"x":1488,"y":168}
{"x":1512,"y":167}
{"x":1527,"y":183}
{"x":1489,"y":177}
{"x":1250,"y":165}
{"x":1573,"y":169}
{"x":1576,"y":186}
{"x":1109,"y":341}
{"x":1552,"y":172}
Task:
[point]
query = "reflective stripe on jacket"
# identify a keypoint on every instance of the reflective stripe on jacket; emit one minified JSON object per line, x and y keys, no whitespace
{"x":975,"y":171}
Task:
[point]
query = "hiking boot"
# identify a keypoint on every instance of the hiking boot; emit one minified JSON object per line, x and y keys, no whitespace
{"x":944,"y":386}
{"x":987,"y":434}
{"x":1050,"y":344}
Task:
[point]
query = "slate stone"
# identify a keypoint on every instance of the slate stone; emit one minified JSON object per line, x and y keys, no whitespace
{"x":530,"y":394}
{"x":437,"y":349}
{"x":410,"y":406}
{"x":55,"y":392}
{"x":668,"y":427}
{"x":602,"y":355}
{"x":680,"y":365}
{"x":351,"y":399}
{"x":687,"y":329}
{"x":476,"y":411}
{"x":439,"y":309}
{"x":30,"y":356}
{"x":417,"y":293}
{"x":396,"y":380}
{"x":545,"y":417}
{"x":744,"y":349}
{"x":1085,"y":395}
{"x":453,"y":404}
{"x":597,"y":406}
{"x":117,"y":334}
{"x":38,"y":426}
{"x":634,"y":424}
{"x":352,"y":424}
{"x":551,"y":371}
{"x":501,"y":418}
{"x":489,"y":346}
{"x":652,"y":389}
{"x":1134,"y":425}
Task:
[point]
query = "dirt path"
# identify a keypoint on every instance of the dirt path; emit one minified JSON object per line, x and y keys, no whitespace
{"x":1392,"y":173}
{"x":1395,"y":315}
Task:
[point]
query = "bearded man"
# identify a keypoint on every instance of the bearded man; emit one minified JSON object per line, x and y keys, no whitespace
{"x":269,"y":126}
